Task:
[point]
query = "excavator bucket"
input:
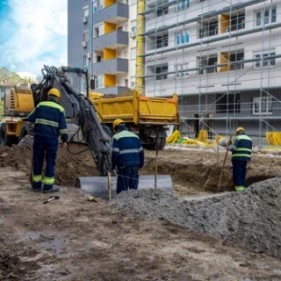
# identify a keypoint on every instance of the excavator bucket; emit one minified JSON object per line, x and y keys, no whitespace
{"x":98,"y":186}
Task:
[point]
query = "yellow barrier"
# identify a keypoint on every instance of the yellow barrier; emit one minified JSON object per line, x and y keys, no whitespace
{"x":273,"y":138}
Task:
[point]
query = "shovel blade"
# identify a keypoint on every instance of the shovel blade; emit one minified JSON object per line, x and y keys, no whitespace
{"x":98,"y":186}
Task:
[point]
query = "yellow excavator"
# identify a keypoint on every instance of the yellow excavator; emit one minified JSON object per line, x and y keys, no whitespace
{"x":91,"y":116}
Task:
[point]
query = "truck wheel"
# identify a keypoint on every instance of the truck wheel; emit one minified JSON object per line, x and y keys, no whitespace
{"x":10,"y":140}
{"x":158,"y":143}
{"x":23,"y":133}
{"x":2,"y":134}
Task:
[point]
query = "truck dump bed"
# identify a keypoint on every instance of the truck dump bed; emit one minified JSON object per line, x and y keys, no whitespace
{"x":138,"y":109}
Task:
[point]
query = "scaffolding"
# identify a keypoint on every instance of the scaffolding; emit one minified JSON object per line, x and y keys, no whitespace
{"x":217,"y":110}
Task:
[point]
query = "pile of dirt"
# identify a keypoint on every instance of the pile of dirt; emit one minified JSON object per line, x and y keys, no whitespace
{"x":71,"y":162}
{"x":251,"y":218}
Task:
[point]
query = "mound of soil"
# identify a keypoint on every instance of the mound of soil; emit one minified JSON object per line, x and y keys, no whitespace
{"x":251,"y":218}
{"x":71,"y":162}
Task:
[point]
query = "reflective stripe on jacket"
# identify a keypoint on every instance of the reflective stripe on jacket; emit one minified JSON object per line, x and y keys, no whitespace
{"x":49,"y":120}
{"x":242,"y":148}
{"x":127,"y":150}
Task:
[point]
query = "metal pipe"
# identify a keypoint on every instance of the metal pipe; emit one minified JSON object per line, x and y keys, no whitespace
{"x":97,"y":186}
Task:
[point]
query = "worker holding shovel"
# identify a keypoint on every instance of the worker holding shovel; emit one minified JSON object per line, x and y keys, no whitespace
{"x":241,"y":148}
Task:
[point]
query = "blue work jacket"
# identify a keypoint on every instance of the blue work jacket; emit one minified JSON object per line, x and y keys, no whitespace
{"x":49,"y":120}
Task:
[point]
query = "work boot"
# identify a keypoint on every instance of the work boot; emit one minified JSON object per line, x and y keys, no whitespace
{"x":52,"y":190}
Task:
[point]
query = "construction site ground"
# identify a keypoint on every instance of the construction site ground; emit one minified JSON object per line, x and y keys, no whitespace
{"x":198,"y":233}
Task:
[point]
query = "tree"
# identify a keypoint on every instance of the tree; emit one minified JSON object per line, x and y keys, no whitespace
{"x":9,"y":78}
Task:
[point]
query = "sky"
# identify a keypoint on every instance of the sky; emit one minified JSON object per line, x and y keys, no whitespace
{"x":33,"y":33}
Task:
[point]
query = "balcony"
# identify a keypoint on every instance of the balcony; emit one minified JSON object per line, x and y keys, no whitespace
{"x":112,"y":40}
{"x":115,"y":13}
{"x":113,"y":66}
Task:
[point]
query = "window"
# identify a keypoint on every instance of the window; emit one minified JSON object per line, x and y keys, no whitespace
{"x":206,"y":64}
{"x":265,"y":59}
{"x":181,"y":71}
{"x":236,"y":60}
{"x":85,"y":61}
{"x":238,"y":21}
{"x":266,"y":16}
{"x":97,"y":5}
{"x":162,"y":12}
{"x":161,"y":72}
{"x":182,"y":37}
{"x":262,"y":105}
{"x":228,"y":103}
{"x":182,"y":4}
{"x":86,"y":11}
{"x":98,"y":81}
{"x":209,"y":28}
{"x":162,"y":41}
{"x":86,"y":36}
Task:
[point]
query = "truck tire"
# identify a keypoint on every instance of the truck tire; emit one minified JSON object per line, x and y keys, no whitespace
{"x":23,"y":132}
{"x":2,"y":134}
{"x":10,"y":140}
{"x":158,"y":144}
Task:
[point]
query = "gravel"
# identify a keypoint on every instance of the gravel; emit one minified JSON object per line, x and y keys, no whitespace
{"x":251,"y":218}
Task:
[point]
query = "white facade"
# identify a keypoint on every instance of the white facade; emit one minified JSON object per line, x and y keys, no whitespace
{"x":191,"y":82}
{"x":200,"y":49}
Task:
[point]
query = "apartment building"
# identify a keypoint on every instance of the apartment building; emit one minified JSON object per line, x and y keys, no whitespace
{"x":102,"y":38}
{"x":223,"y":59}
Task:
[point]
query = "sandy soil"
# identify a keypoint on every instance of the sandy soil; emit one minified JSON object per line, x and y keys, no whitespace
{"x":74,"y":239}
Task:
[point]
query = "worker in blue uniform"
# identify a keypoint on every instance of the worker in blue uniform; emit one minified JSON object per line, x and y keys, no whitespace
{"x":49,"y":123}
{"x":241,"y":148}
{"x":127,"y":156}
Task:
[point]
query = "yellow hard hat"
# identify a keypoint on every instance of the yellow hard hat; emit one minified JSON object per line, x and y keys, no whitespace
{"x":239,"y":129}
{"x":116,"y":123}
{"x":54,"y":92}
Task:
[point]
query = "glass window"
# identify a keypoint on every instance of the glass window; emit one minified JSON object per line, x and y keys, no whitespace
{"x":273,"y":15}
{"x":262,"y":105}
{"x":266,"y":17}
{"x":161,"y":72}
{"x":258,"y":19}
{"x":267,"y":59}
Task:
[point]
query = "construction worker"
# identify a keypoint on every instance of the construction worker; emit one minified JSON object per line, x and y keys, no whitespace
{"x":127,"y":156}
{"x":241,"y":148}
{"x":49,"y":122}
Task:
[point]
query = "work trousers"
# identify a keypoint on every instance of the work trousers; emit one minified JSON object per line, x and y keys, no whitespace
{"x":44,"y":148}
{"x":239,"y":168}
{"x":128,"y":178}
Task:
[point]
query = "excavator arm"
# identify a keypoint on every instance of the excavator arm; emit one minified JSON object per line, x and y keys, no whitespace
{"x":78,"y":108}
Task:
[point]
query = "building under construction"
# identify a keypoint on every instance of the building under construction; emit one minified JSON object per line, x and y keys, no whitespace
{"x":222,"y":58}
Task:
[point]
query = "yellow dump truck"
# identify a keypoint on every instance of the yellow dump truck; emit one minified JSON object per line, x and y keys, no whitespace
{"x":18,"y":103}
{"x":146,"y":116}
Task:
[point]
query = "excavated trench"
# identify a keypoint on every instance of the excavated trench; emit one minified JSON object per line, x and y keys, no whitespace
{"x":250,"y":219}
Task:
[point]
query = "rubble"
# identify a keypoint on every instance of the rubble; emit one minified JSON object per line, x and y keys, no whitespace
{"x":251,"y":218}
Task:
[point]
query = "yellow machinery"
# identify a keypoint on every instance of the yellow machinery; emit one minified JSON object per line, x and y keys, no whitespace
{"x":146,"y":116}
{"x":18,"y":103}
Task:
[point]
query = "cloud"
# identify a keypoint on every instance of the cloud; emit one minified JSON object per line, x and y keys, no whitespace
{"x":34,"y":34}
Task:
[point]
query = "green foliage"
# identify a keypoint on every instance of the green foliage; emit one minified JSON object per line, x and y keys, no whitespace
{"x":1,"y":109}
{"x":12,"y":78}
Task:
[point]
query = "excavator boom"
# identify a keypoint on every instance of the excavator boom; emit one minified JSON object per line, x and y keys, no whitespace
{"x":78,"y":109}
